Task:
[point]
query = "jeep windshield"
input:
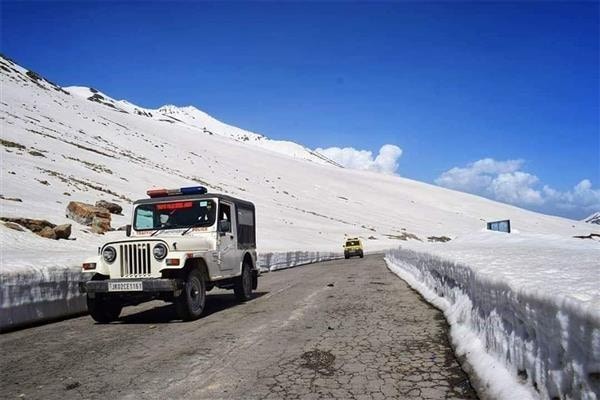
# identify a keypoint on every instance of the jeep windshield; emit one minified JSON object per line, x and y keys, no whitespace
{"x":175,"y":214}
{"x":352,"y":243}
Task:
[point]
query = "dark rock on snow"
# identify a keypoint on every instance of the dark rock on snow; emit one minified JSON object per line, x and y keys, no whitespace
{"x":40,"y":227}
{"x":63,"y":231}
{"x":113,"y":208}
{"x":47,"y":233}
{"x":98,"y":218}
{"x":14,"y":226}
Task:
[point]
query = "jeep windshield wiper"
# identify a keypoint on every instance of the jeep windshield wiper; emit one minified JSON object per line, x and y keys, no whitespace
{"x":162,"y":228}
{"x":156,"y":231}
{"x":192,"y":226}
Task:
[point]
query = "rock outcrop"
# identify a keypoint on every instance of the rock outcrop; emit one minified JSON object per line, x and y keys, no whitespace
{"x":34,"y":225}
{"x":593,"y":219}
{"x":98,"y":218}
{"x":62,"y":231}
{"x":40,"y":227}
{"x":47,"y":233}
{"x":441,"y":239}
{"x":14,"y":226}
{"x":113,"y":208}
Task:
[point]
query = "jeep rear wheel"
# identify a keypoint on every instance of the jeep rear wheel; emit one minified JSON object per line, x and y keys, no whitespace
{"x":190,"y":303}
{"x":243,"y":285}
{"x":103,"y":310}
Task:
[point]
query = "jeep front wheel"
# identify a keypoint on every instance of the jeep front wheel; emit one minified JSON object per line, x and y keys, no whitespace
{"x":190,"y":303}
{"x":103,"y":310}
{"x":243,"y":285}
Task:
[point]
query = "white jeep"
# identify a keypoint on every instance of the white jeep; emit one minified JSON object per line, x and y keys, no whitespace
{"x":181,"y":244}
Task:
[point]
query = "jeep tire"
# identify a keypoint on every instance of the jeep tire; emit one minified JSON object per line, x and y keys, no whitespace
{"x":103,"y":310}
{"x":190,"y":303}
{"x":361,"y":254}
{"x":243,"y":284}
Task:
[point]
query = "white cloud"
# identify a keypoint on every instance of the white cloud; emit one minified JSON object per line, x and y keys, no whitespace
{"x":386,"y":161}
{"x":582,"y":195}
{"x":516,"y":188}
{"x":477,"y":176}
{"x":504,"y":181}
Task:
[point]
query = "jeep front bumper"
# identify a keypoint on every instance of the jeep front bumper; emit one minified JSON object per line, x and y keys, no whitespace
{"x":147,"y":285}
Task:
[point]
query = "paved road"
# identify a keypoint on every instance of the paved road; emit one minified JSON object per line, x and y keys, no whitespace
{"x":346,"y":329}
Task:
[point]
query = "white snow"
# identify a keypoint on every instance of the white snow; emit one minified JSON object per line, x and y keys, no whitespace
{"x":196,"y":119}
{"x":524,"y":309}
{"x":91,"y":148}
{"x":282,"y":260}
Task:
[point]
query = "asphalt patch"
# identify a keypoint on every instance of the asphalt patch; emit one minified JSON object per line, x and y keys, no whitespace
{"x":319,"y":361}
{"x":72,"y":385}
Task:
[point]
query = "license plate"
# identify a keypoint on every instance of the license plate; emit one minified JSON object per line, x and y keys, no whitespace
{"x":124,"y":286}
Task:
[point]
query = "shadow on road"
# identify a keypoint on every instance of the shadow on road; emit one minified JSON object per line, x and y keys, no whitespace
{"x":166,"y":313}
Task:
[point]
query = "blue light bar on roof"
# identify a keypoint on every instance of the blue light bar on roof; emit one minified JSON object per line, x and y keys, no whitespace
{"x":193,"y":190}
{"x":176,"y":192}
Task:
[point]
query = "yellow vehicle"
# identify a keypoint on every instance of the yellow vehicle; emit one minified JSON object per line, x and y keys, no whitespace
{"x":353,"y":247}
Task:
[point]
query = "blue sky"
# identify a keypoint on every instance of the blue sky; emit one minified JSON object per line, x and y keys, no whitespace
{"x":451,"y":84}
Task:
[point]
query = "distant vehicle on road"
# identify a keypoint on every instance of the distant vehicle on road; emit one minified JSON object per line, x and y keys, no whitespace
{"x":181,"y":244}
{"x":353,"y":247}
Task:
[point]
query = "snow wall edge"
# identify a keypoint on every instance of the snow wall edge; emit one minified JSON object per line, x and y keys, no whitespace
{"x":35,"y":295}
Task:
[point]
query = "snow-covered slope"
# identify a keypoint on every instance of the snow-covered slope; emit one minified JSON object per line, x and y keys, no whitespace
{"x":79,"y":144}
{"x":192,"y":117}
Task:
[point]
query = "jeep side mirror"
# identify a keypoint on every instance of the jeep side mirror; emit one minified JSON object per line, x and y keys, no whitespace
{"x":224,"y":226}
{"x":127,"y":230}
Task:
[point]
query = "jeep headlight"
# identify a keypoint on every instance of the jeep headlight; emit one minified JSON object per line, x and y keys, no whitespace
{"x":159,"y":251}
{"x":109,"y":254}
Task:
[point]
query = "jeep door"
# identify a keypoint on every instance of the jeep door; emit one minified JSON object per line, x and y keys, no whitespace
{"x":228,"y":251}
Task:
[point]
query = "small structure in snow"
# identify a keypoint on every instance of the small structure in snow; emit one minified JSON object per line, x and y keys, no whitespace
{"x":500,"y":226}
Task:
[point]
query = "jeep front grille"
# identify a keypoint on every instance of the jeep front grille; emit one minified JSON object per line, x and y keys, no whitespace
{"x":135,"y":260}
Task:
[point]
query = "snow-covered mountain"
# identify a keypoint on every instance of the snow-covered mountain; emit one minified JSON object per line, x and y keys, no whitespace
{"x":77,"y":143}
{"x":200,"y":120}
{"x":593,"y":219}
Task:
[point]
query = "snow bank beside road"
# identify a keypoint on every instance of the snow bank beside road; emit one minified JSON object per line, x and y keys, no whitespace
{"x":282,"y":260}
{"x":527,"y":323}
{"x":29,"y":295}
{"x":33,"y":295}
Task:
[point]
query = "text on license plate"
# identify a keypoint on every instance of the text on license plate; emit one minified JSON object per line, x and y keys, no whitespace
{"x":124,"y":286}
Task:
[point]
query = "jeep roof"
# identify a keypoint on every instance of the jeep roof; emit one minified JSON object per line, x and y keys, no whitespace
{"x":194,"y":197}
